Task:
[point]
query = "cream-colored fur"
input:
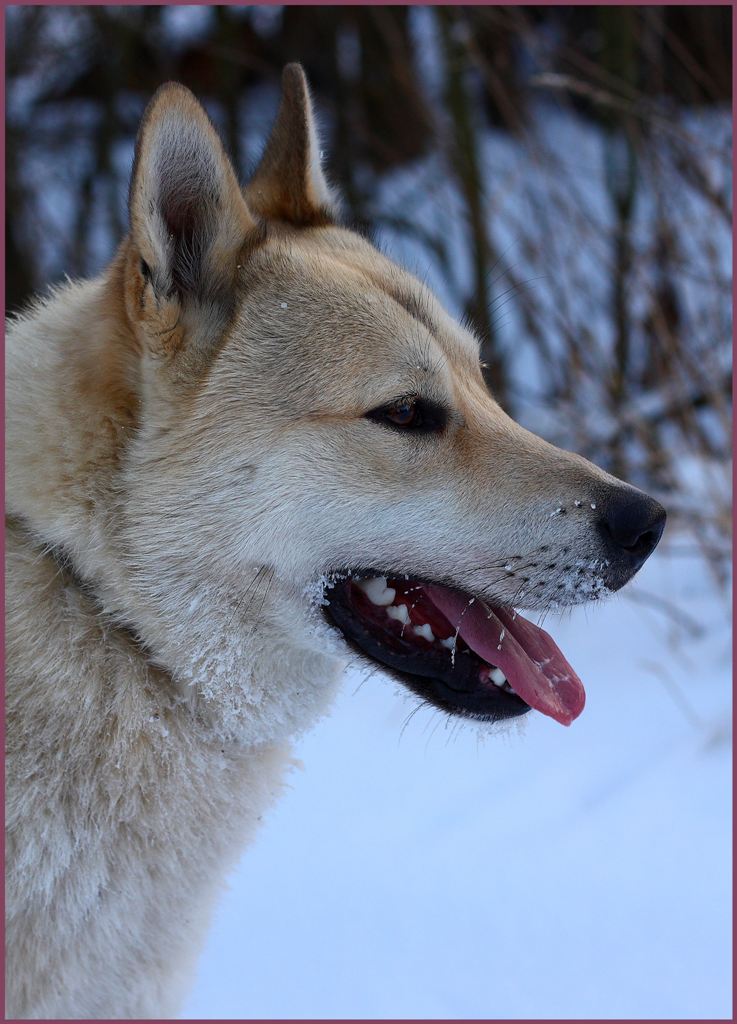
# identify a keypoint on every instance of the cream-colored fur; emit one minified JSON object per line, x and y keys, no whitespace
{"x":187,"y":454}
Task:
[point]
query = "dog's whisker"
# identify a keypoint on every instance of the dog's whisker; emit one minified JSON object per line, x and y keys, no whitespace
{"x":410,"y":716}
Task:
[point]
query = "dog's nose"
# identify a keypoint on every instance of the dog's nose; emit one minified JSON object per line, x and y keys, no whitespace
{"x":633,"y":523}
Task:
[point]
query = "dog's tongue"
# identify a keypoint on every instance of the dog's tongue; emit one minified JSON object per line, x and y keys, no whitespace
{"x":529,"y":658}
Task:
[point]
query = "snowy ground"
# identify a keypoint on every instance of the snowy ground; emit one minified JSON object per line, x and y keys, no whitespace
{"x":433,"y":871}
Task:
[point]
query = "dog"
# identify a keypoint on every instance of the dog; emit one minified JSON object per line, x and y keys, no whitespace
{"x":250,"y":448}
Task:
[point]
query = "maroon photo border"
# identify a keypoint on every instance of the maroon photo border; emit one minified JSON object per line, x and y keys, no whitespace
{"x":343,"y":3}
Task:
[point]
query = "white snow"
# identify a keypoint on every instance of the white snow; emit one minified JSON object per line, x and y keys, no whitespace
{"x":441,"y":870}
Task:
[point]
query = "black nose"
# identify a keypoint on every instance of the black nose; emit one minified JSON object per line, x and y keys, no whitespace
{"x":633,"y":523}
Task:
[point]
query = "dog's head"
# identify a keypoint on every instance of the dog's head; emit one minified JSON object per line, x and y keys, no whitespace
{"x":310,"y":412}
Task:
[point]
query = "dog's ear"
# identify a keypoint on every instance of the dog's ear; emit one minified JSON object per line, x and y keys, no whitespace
{"x":189,"y":220}
{"x":289,"y":184}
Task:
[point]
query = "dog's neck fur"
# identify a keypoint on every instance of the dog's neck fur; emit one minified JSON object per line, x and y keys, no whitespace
{"x":212,"y":634}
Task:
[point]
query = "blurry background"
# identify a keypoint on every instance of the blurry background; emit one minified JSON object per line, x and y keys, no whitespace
{"x":562,"y":178}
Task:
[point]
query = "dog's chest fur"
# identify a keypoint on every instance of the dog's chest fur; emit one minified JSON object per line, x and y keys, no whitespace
{"x":127,"y":811}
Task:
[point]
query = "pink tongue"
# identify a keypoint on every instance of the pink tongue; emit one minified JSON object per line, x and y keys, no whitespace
{"x":529,"y":658}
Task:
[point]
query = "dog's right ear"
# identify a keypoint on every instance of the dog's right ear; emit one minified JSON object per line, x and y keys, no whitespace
{"x":189,"y":223}
{"x":289,"y":184}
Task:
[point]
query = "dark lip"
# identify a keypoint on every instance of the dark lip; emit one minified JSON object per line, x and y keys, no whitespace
{"x":453,"y":687}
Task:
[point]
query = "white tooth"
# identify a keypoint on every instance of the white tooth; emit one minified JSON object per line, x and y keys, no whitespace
{"x":425,"y":631}
{"x":449,"y":642}
{"x":497,"y":676}
{"x":377,"y":591}
{"x":399,"y":612}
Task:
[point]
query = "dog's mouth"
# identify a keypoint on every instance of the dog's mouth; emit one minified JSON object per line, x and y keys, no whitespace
{"x":458,"y":652}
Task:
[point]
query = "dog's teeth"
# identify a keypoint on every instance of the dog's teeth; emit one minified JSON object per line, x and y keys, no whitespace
{"x":377,"y":591}
{"x":425,"y":631}
{"x":398,"y":612}
{"x":449,"y":642}
{"x":497,"y":677}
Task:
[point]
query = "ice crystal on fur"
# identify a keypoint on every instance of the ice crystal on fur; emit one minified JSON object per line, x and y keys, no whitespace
{"x":316,"y":589}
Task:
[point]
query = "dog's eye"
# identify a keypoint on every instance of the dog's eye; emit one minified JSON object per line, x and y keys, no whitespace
{"x":410,"y":413}
{"x":403,"y":413}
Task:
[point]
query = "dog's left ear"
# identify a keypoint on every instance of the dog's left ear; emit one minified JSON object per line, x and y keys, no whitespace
{"x":289,"y":184}
{"x":189,"y":226}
